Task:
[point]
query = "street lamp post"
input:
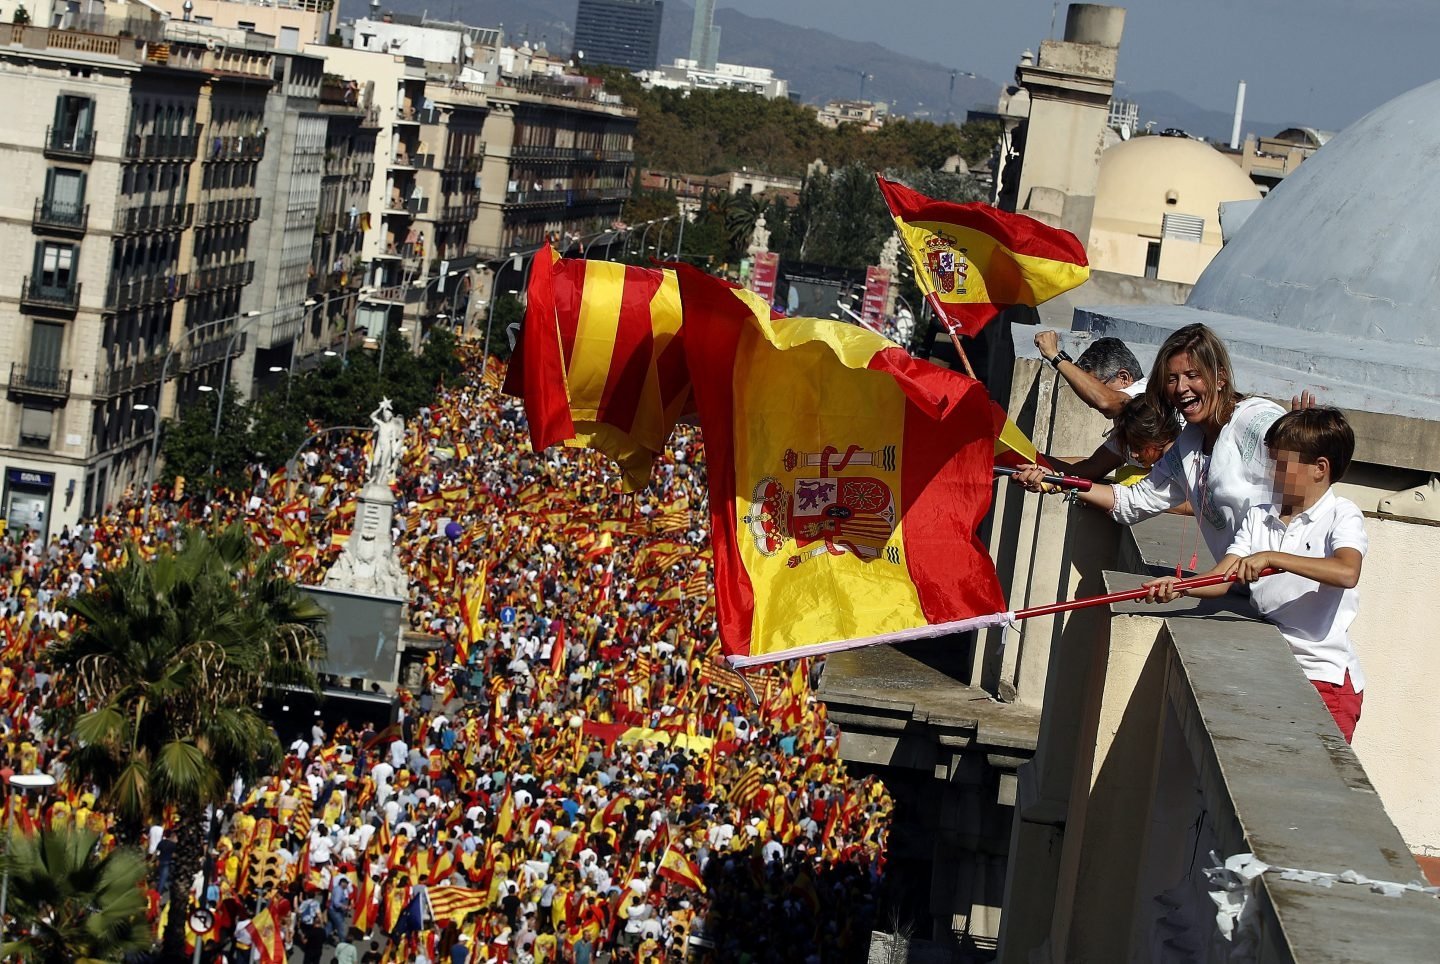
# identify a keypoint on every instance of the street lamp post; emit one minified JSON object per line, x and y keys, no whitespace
{"x":22,"y":782}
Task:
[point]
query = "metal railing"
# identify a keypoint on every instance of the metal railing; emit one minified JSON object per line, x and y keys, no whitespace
{"x":567,"y":196}
{"x":154,"y":217}
{"x":162,"y":146}
{"x":212,"y":351}
{"x":146,"y":291}
{"x":35,"y":294}
{"x":133,"y":375}
{"x":37,"y":380}
{"x":464,"y":163}
{"x":237,"y":147}
{"x":230,"y":209}
{"x":72,"y":145}
{"x":459,"y":212}
{"x":59,"y":216}
{"x":223,"y":276}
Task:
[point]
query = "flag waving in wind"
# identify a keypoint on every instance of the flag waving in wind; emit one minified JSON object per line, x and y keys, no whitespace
{"x":599,"y":363}
{"x":972,"y":260}
{"x":847,"y":480}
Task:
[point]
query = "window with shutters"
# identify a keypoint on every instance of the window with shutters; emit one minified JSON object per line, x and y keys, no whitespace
{"x":64,"y":196}
{"x":46,"y":343}
{"x":35,"y":425}
{"x":55,"y":268}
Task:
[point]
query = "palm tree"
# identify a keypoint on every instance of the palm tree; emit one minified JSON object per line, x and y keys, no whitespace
{"x":72,"y":905}
{"x":168,"y":660}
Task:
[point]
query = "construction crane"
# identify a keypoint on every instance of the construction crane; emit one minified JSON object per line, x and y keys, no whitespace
{"x":864,"y":76}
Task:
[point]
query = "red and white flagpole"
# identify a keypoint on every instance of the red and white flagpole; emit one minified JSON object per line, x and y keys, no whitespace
{"x":932,"y":630}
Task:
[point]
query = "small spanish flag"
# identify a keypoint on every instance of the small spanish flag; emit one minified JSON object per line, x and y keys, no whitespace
{"x":680,"y":869}
{"x":972,"y":260}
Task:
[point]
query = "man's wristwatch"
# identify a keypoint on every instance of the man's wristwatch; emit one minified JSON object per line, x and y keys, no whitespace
{"x":1057,"y":358}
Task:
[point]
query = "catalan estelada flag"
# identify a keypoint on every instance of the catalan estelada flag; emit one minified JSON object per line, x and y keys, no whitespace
{"x":847,"y":481}
{"x":600,"y":363}
{"x":972,"y":260}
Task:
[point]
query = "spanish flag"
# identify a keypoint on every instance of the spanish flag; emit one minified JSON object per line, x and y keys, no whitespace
{"x":972,"y":260}
{"x":680,"y":869}
{"x":268,"y":938}
{"x":600,"y":363}
{"x":847,"y":481}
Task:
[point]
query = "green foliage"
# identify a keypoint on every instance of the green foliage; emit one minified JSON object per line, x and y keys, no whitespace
{"x":71,"y":904}
{"x":707,"y":132}
{"x":161,"y":676}
{"x":269,"y":426}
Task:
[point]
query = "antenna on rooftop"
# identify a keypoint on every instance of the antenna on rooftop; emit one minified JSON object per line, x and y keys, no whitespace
{"x":1054,"y":10}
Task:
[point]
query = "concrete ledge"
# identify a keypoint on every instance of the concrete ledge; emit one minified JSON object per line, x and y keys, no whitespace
{"x":1277,"y":780}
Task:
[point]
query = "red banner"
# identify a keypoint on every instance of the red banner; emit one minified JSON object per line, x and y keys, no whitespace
{"x":877,"y":291}
{"x":764,"y":274}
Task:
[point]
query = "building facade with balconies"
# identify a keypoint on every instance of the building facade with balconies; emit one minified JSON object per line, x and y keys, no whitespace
{"x":102,"y":135}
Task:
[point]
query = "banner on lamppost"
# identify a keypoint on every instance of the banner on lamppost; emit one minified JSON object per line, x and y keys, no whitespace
{"x":877,"y":291}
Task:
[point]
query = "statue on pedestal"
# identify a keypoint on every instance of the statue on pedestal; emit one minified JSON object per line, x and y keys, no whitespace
{"x":759,"y":238}
{"x":368,"y":563}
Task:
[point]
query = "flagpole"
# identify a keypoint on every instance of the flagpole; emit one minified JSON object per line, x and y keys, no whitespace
{"x":1194,"y":582}
{"x":1064,"y":481}
{"x":932,"y":298}
{"x":929,"y":631}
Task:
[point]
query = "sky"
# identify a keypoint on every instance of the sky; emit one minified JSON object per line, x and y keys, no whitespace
{"x":1320,"y":63}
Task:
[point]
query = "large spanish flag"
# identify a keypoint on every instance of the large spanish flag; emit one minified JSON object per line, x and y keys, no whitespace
{"x":600,"y":363}
{"x":972,"y":260}
{"x":846,"y":479}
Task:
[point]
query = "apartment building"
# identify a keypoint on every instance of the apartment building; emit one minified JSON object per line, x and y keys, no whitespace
{"x":153,"y":178}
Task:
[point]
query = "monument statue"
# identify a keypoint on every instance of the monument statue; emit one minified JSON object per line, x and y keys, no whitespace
{"x":368,"y":563}
{"x":389,"y":445}
{"x":890,"y":252}
{"x":759,"y":237}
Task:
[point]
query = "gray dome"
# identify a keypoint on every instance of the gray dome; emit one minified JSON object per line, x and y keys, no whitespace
{"x":1347,"y":245}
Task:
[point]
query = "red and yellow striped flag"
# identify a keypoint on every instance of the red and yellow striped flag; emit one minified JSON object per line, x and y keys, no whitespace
{"x":680,"y":869}
{"x":972,"y":260}
{"x":847,"y":481}
{"x":600,"y":363}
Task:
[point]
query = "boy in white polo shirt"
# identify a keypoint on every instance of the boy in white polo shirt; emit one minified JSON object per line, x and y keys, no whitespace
{"x":1317,"y":539}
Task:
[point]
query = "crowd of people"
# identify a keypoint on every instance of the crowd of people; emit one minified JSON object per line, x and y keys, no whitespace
{"x":571,"y":776}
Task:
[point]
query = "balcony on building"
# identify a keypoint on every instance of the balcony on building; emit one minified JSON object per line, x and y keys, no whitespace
{"x":163,"y":147}
{"x":122,"y":294}
{"x":39,"y":295}
{"x":215,"y":277}
{"x":212,"y":350}
{"x":148,"y":218}
{"x":70,"y":143}
{"x":464,"y":163}
{"x":235,"y":147}
{"x":230,"y":210}
{"x":131,"y":374}
{"x":59,"y":217}
{"x":39,"y":382}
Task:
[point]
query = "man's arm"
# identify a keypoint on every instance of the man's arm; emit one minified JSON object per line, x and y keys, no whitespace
{"x":1163,"y":590}
{"x":1092,"y":391}
{"x":1341,"y":570}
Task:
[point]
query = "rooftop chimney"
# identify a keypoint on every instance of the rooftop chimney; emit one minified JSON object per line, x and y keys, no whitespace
{"x":1239,"y":116}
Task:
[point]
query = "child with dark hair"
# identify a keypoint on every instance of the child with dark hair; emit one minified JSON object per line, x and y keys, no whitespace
{"x":1317,"y":540}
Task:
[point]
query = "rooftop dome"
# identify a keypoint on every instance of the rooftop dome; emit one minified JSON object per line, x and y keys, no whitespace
{"x":1347,"y":244}
{"x":1145,"y":178}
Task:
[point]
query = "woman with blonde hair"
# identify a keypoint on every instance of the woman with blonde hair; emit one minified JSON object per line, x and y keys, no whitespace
{"x":1219,"y":462}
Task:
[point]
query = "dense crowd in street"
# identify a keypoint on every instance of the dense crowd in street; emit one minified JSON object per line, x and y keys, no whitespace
{"x":574,"y":778}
